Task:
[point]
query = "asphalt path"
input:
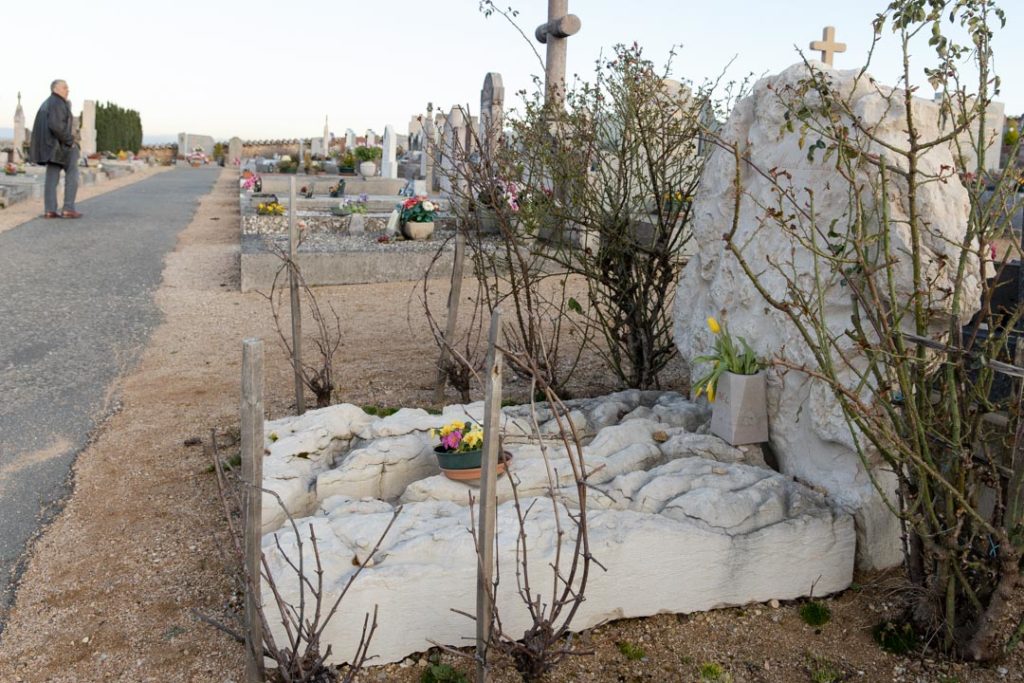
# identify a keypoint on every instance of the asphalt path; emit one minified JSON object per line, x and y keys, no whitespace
{"x":76,"y":310}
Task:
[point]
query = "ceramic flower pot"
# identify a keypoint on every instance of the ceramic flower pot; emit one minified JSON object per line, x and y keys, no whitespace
{"x":740,"y":411}
{"x":466,"y":466}
{"x":367,"y":169}
{"x":416,"y":231}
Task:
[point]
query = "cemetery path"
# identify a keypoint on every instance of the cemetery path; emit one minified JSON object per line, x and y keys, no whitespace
{"x":76,"y":300}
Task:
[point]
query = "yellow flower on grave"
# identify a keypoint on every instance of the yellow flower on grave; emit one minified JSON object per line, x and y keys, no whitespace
{"x":473,"y":439}
{"x":711,"y":393}
{"x":714,"y":326}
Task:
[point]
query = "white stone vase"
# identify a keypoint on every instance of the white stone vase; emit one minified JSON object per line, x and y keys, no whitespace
{"x":416,"y":231}
{"x":367,"y":169}
{"x":740,"y":411}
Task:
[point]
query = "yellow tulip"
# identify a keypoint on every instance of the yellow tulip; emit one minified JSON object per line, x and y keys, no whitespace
{"x":711,"y":393}
{"x":713,"y":325}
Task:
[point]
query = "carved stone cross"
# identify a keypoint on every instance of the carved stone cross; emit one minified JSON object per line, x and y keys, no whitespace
{"x":828,"y":45}
{"x":560,"y":26}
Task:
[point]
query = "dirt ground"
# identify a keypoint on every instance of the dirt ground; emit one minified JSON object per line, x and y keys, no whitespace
{"x":112,"y":586}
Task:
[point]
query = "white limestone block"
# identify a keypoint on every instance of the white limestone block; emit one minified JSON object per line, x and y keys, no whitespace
{"x":808,"y":432}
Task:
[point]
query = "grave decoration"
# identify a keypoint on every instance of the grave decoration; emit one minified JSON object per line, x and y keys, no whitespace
{"x":459,"y":450}
{"x":740,"y":414}
{"x":348,"y":206}
{"x":251,"y":182}
{"x":417,"y":218}
{"x":270,"y":209}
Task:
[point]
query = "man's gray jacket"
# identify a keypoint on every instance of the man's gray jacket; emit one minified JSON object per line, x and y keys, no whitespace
{"x":51,"y":133}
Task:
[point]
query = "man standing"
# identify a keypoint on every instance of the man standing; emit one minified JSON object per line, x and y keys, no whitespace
{"x":54,"y":145}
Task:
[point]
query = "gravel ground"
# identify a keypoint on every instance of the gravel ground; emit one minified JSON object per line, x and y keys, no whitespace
{"x":111,"y":586}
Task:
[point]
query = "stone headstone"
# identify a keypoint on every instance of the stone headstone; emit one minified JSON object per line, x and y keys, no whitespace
{"x":453,"y":153}
{"x":235,"y":150}
{"x":415,"y":132}
{"x":325,"y":142}
{"x":389,"y":164}
{"x":350,"y":139}
{"x":492,"y":106}
{"x":371,"y":137}
{"x":88,"y":130}
{"x":19,"y":132}
{"x":427,"y":158}
{"x":809,"y":435}
{"x":316,"y":147}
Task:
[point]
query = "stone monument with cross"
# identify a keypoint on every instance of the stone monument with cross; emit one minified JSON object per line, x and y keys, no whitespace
{"x":492,"y":106}
{"x":560,"y":25}
{"x":828,"y":46}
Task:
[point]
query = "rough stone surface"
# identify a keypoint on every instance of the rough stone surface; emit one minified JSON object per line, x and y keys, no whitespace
{"x":682,"y":521}
{"x":808,"y":432}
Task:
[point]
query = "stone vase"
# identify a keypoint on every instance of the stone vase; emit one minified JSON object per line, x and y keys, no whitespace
{"x":740,"y":411}
{"x":416,"y":231}
{"x":367,"y":169}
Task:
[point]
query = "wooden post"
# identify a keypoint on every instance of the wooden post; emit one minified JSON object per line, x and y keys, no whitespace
{"x":454,"y":293}
{"x":293,"y":287}
{"x":488,"y":484}
{"x":252,"y":512}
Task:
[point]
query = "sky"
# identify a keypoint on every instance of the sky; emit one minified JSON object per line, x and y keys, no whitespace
{"x":268,"y":69}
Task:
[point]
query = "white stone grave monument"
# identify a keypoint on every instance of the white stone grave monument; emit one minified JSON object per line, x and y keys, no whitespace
{"x":19,"y":132}
{"x":679,"y":520}
{"x":88,"y":129}
{"x":389,"y":162}
{"x":809,"y":435}
{"x":235,"y":150}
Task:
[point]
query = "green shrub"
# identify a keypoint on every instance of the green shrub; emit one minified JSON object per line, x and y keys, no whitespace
{"x":815,"y":613}
{"x":630,"y":651}
{"x":711,"y":671}
{"x":436,"y":672}
{"x":368,"y":153}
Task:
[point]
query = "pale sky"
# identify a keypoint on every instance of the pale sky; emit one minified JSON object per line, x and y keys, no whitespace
{"x":270,"y":69}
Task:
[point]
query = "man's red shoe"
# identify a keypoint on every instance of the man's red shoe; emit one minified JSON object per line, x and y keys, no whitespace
{"x":71,"y":214}
{"x":51,"y":214}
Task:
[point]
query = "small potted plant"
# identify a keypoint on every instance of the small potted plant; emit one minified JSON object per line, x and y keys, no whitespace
{"x":459,"y":450}
{"x":736,"y":387}
{"x":366,"y":156}
{"x":417,"y":218}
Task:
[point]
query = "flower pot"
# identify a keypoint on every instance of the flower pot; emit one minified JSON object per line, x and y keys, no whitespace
{"x":740,"y":411}
{"x":416,"y":231}
{"x":466,"y":466}
{"x":367,"y":169}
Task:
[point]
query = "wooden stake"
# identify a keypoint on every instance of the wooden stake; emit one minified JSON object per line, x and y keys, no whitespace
{"x":488,"y":484}
{"x":454,"y":294}
{"x":293,"y":287}
{"x":252,"y":512}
